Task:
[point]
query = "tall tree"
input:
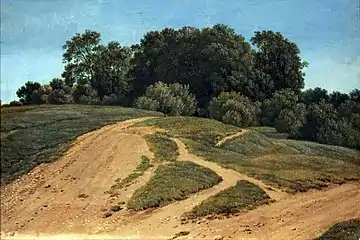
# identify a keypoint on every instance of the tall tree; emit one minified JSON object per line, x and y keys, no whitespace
{"x":209,"y":60}
{"x":110,"y":70}
{"x":79,"y":56}
{"x":277,"y":65}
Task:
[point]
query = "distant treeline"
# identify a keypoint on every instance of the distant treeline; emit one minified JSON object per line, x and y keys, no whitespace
{"x":210,"y":72}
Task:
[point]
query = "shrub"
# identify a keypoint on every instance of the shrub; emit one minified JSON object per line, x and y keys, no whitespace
{"x":172,"y":99}
{"x":15,"y":103}
{"x":233,"y":108}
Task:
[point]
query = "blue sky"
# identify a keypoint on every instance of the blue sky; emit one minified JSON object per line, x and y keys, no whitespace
{"x":33,"y":31}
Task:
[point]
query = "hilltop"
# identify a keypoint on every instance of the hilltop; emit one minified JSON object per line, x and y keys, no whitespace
{"x":112,"y":171}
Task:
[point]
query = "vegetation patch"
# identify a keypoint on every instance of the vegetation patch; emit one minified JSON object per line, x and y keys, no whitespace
{"x":172,"y":182}
{"x":291,"y":165}
{"x":43,"y":133}
{"x":244,"y":195}
{"x":139,"y":171}
{"x":162,"y":146}
{"x":347,"y":230}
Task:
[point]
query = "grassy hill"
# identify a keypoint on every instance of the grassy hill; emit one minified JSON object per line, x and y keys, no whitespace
{"x":32,"y":135}
{"x":294,"y":166}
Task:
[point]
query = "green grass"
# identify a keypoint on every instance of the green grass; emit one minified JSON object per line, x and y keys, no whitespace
{"x":294,"y":166}
{"x":41,"y":134}
{"x":139,"y":171}
{"x":172,"y":182}
{"x":243,"y":196}
{"x":347,"y":230}
{"x":162,"y":146}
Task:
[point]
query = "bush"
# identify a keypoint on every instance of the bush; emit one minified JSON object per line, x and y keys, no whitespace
{"x":61,"y":96}
{"x":15,"y":103}
{"x":171,"y":99}
{"x":233,"y":108}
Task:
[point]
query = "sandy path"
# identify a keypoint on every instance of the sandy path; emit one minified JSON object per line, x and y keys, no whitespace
{"x":238,"y":134}
{"x":91,"y":166}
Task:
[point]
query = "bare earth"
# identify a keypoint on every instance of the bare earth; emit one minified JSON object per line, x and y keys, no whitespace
{"x":45,"y":202}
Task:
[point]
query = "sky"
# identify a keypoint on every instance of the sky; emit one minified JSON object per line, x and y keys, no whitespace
{"x":327,"y":32}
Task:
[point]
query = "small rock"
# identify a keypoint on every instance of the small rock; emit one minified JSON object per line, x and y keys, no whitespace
{"x":45,"y":205}
{"x":293,"y":229}
{"x":22,"y":225}
{"x":218,"y":237}
{"x":115,"y":208}
{"x":83,"y":195}
{"x":47,"y":186}
{"x":108,"y":214}
{"x":104,"y":209}
{"x":61,"y":190}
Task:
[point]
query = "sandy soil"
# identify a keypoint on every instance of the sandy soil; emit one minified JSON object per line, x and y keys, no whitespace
{"x":45,"y":202}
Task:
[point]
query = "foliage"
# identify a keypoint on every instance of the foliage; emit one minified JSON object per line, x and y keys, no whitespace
{"x":173,"y":99}
{"x":172,"y":182}
{"x":233,"y":108}
{"x":243,"y":196}
{"x":277,"y":65}
{"x":162,"y":146}
{"x":41,"y":134}
{"x":346,"y":230}
{"x":26,"y":93}
{"x":315,"y":95}
{"x":284,"y":112}
{"x":209,"y":60}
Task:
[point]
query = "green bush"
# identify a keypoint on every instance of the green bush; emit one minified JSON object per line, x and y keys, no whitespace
{"x":172,"y":99}
{"x":347,"y":230}
{"x":233,"y":108}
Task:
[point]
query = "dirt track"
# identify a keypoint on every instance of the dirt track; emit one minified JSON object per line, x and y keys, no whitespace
{"x":98,"y":158}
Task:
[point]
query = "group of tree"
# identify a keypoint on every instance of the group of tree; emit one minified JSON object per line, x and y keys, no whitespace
{"x":210,"y":72}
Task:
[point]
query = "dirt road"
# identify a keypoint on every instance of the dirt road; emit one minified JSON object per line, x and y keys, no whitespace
{"x":46,"y":201}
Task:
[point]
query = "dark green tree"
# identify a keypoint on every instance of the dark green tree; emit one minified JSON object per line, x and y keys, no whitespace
{"x":315,"y":95}
{"x":79,"y":57}
{"x":210,"y":60}
{"x":25,"y":93}
{"x":277,"y":65}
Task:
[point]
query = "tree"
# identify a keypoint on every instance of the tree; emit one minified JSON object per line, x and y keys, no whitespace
{"x":316,"y":117}
{"x":277,"y":65}
{"x":41,"y":95}
{"x":336,"y":98}
{"x":25,"y":93}
{"x":111,"y":70}
{"x":85,"y":94}
{"x":290,"y":120}
{"x":79,"y":56}
{"x":209,"y":60}
{"x":233,"y":108}
{"x":271,"y":108}
{"x":171,"y":99}
{"x":315,"y":95}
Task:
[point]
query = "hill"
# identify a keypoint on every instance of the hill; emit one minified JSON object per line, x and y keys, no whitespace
{"x":166,"y":177}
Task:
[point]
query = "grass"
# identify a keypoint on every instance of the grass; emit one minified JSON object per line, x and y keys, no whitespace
{"x":294,"y":166}
{"x":347,"y":230}
{"x":172,"y":182}
{"x":32,"y":135}
{"x":162,"y":146}
{"x":243,"y":196}
{"x":139,"y":171}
